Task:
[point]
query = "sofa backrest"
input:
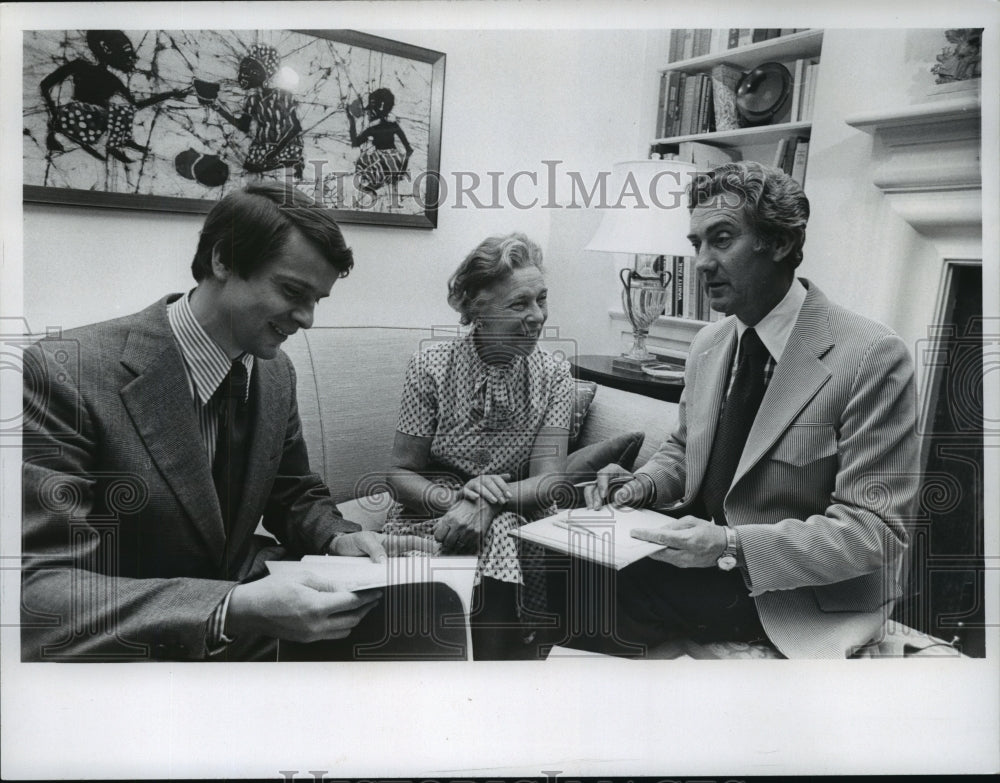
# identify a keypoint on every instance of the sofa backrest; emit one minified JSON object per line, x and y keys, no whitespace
{"x":349,"y":385}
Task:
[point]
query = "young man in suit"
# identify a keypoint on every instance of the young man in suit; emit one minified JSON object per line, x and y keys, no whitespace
{"x":794,"y":465}
{"x":154,"y":444}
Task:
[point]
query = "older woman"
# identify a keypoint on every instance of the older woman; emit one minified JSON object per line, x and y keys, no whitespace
{"x":484,"y":419}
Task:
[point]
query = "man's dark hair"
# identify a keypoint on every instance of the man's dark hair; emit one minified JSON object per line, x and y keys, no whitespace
{"x":774,"y":204}
{"x":250,"y":226}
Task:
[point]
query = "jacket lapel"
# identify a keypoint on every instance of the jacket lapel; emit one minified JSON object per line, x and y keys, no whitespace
{"x":797,"y":378}
{"x":713,"y":366}
{"x":158,"y":400}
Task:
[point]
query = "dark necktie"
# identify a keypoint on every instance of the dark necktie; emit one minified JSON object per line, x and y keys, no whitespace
{"x":734,"y":425}
{"x":229,"y":466}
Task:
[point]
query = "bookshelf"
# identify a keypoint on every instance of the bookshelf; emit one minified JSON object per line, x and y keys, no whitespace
{"x":786,"y":49}
{"x":774,"y":143}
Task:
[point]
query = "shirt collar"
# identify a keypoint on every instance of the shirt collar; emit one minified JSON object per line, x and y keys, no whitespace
{"x":206,"y":362}
{"x":775,"y":328}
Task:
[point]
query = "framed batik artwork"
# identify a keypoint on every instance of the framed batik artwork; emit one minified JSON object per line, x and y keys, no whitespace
{"x":175,"y":119}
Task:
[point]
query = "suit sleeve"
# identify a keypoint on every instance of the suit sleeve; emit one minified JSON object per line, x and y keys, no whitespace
{"x":668,"y":464}
{"x":877,"y":479}
{"x":300,"y":512}
{"x":75,"y":605}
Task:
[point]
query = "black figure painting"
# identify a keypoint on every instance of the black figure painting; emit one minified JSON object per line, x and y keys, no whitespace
{"x":173,"y":120}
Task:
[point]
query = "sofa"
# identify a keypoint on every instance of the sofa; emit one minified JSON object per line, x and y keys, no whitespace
{"x":349,"y":381}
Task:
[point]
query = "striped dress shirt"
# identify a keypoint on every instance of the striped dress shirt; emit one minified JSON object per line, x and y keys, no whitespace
{"x":774,"y":330}
{"x":206,"y":366}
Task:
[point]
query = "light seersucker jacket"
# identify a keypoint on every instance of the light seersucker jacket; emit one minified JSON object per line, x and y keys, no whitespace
{"x":827,"y":481}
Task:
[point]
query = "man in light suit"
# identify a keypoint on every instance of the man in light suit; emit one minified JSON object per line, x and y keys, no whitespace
{"x":149,"y":460}
{"x":793,"y":468}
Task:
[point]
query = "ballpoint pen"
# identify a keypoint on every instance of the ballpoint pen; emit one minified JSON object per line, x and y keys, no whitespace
{"x":613,"y":484}
{"x":571,"y":526}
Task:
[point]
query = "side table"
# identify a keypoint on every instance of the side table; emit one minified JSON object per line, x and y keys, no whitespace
{"x":592,"y":367}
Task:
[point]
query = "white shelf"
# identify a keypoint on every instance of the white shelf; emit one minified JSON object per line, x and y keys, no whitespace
{"x":687,"y":324}
{"x":963,"y":108}
{"x":762,"y":134}
{"x":786,"y":47}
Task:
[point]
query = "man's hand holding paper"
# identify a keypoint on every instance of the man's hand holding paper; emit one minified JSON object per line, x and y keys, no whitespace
{"x":691,"y":542}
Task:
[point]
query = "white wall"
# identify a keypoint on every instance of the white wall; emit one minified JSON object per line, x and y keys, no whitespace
{"x":858,"y":250}
{"x":512,"y":100}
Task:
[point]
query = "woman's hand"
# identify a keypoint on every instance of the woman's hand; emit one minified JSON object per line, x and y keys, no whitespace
{"x":462,"y":528}
{"x":492,"y":488}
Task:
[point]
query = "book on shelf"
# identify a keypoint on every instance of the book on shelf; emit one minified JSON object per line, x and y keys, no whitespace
{"x":797,"y":78}
{"x":764,"y":34}
{"x":811,"y":70}
{"x":702,"y":42}
{"x":786,"y":163}
{"x":779,"y":152}
{"x":675,"y":95}
{"x":673,"y":49}
{"x":745,"y":37}
{"x":707,"y":112}
{"x":803,"y":71}
{"x":733,"y":39}
{"x":661,"y":106}
{"x":678,"y":308}
{"x":720,"y":38}
{"x":691,"y":294}
{"x":687,"y":105}
{"x":799,"y":161}
{"x":701,"y":95}
{"x":687,"y":47}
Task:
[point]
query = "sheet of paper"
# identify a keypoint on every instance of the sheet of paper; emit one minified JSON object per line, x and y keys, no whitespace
{"x":602,"y":536}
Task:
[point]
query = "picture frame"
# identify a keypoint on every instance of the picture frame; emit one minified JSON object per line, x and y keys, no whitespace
{"x":172,"y":120}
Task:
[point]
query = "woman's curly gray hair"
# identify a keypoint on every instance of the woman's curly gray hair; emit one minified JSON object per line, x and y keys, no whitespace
{"x":493,"y":260}
{"x":773,"y":202}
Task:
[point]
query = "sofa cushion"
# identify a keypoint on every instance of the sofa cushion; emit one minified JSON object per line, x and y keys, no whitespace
{"x":583,"y":396}
{"x":583,"y":464}
{"x":615,"y":411}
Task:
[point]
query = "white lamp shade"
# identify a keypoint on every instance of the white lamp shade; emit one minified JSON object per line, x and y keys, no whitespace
{"x":646,"y":209}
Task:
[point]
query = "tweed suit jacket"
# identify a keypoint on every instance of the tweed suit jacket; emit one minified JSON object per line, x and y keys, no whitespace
{"x":827,"y":480}
{"x":124,"y":551}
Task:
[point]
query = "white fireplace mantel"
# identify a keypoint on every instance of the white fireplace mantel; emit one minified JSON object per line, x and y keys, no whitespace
{"x":926,"y":160}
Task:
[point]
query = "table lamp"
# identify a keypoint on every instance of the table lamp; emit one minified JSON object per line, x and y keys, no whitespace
{"x":647,"y":216}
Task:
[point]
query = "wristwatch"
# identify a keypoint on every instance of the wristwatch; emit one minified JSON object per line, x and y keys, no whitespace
{"x":727,"y":560}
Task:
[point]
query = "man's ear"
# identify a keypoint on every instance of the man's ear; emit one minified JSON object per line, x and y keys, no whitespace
{"x":219,"y":270}
{"x":782,"y":247}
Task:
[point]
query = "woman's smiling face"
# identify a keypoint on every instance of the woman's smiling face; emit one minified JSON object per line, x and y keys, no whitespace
{"x":515,"y":310}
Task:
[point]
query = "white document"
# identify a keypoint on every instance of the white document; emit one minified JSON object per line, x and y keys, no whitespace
{"x":602,"y":536}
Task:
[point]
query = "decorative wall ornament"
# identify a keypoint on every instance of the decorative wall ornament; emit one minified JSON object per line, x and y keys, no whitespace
{"x":175,"y":119}
{"x":962,"y":59}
